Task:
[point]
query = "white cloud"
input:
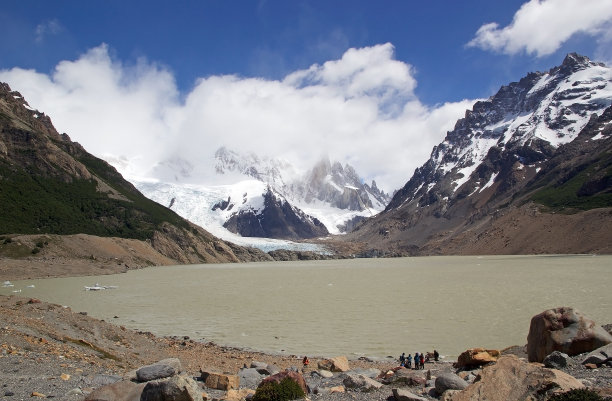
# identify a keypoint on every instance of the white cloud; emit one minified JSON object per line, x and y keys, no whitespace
{"x":540,"y":27}
{"x":51,"y":27}
{"x":360,"y":109}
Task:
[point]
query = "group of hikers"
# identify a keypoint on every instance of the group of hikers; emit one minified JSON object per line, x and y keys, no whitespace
{"x":419,"y":359}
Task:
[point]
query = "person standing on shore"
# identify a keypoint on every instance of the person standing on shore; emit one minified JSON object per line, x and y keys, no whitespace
{"x":422,"y":361}
{"x":402,"y":359}
{"x":436,"y":355}
{"x":409,"y":361}
{"x":416,"y":360}
{"x":305,"y":363}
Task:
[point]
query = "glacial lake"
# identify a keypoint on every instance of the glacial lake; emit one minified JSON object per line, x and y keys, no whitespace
{"x":358,"y":307}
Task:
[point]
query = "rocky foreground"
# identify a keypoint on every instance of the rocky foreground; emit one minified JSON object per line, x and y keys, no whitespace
{"x":49,"y":351}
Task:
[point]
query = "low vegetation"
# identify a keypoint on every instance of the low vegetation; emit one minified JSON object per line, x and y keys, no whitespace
{"x":286,"y":390}
{"x":577,"y":395}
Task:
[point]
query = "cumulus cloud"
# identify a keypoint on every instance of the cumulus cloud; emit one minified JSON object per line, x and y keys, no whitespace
{"x":540,"y":27}
{"x":360,"y":109}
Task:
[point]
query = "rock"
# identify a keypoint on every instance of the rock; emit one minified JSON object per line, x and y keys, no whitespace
{"x":513,"y":379}
{"x":557,"y":360}
{"x":293,"y":375}
{"x":590,"y":366}
{"x":175,"y":388}
{"x":337,"y":364}
{"x":249,"y":378}
{"x":399,"y":394}
{"x":600,"y":356}
{"x":264,"y":368}
{"x":448,"y":395}
{"x":75,"y":391}
{"x":239,"y":395}
{"x":449,"y":381}
{"x":361,"y":383}
{"x":337,"y":389}
{"x":118,"y":391}
{"x":406,"y":377}
{"x":159,"y":370}
{"x":37,"y":394}
{"x":563,"y":329}
{"x":326,"y":374}
{"x":477,"y":357}
{"x":220,"y":381}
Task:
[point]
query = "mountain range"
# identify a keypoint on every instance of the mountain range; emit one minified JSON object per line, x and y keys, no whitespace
{"x":526,"y":171}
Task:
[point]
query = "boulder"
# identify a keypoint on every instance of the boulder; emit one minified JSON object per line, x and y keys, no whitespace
{"x":449,"y":381}
{"x":361,"y":383}
{"x":513,"y":379}
{"x":399,"y":394}
{"x":249,"y":378}
{"x":239,"y":395}
{"x":264,"y":368}
{"x":159,"y":370}
{"x":291,"y":374}
{"x":600,"y":356}
{"x":563,"y":329}
{"x":326,"y":374}
{"x":557,"y":360}
{"x":475,"y":357}
{"x":405,"y":377}
{"x":118,"y":391}
{"x":219,"y":381}
{"x":337,"y":364}
{"x":175,"y":388}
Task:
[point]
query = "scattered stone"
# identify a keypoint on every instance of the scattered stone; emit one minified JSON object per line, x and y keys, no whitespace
{"x":219,"y":381}
{"x":449,"y":381}
{"x":360,"y":383}
{"x":448,"y":395}
{"x":176,"y":388}
{"x":65,"y":377}
{"x":563,"y":329}
{"x":337,"y":364}
{"x":37,"y":394}
{"x":8,"y":394}
{"x":337,"y":389}
{"x":475,"y":357}
{"x":75,"y":391}
{"x":557,"y":360}
{"x":600,"y":356}
{"x":590,"y":366}
{"x":513,"y":379}
{"x":399,"y":394}
{"x":154,"y":372}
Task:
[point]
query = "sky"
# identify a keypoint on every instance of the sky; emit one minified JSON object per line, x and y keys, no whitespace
{"x":375,"y":84}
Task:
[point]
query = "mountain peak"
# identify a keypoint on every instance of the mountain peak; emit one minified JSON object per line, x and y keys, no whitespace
{"x":575,"y":62}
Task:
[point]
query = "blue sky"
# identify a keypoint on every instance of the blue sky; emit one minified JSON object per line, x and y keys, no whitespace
{"x":446,"y":54}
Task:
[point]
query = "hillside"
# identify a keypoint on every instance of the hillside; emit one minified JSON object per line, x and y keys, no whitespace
{"x":50,"y":185}
{"x":526,"y":171}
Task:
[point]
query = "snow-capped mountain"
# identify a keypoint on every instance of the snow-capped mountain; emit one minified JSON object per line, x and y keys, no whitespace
{"x":494,"y":152}
{"x":268,"y":197}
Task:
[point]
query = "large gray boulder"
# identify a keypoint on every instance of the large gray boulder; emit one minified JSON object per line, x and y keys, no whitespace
{"x":449,"y":381}
{"x":563,"y":329}
{"x":159,"y":370}
{"x":250,"y":378}
{"x":176,"y":388}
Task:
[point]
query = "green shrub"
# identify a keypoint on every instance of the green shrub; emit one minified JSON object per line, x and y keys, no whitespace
{"x":577,"y":395}
{"x":286,"y":390}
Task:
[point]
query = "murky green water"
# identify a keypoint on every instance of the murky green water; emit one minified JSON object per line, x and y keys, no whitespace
{"x":373,"y":307}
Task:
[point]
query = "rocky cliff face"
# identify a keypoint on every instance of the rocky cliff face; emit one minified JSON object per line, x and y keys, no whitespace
{"x":51,"y":185}
{"x":495,"y":153}
{"x":276,"y":218}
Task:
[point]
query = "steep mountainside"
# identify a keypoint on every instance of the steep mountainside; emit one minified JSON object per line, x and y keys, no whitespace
{"x":51,"y":185}
{"x":543,"y":139}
